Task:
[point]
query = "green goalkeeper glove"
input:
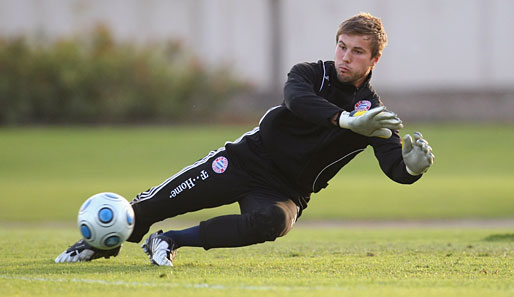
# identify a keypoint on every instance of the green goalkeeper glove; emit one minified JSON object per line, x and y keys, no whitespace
{"x":375,"y":122}
{"x":417,"y":155}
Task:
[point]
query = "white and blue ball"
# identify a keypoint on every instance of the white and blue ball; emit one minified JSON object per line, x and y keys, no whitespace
{"x":105,"y":220}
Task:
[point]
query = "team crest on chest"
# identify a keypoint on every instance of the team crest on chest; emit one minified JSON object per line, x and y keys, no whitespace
{"x":220,"y":164}
{"x":363,"y":105}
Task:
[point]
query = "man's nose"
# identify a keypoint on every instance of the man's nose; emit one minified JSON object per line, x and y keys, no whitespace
{"x":347,"y":56}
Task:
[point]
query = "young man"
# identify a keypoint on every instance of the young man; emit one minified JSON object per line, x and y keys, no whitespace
{"x":329,"y":115}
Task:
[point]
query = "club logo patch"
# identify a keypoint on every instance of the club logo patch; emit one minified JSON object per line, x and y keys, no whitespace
{"x":220,"y":165}
{"x":363,"y":105}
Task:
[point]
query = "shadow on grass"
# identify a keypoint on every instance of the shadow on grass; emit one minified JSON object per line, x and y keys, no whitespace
{"x":500,"y":237}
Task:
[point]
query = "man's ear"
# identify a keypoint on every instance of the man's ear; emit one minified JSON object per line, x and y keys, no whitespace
{"x":375,"y":59}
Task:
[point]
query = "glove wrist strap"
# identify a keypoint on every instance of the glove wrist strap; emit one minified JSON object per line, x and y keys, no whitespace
{"x":344,"y":120}
{"x":411,"y":172}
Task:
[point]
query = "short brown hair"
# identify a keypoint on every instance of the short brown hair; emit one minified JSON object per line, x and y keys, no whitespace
{"x":365,"y":24}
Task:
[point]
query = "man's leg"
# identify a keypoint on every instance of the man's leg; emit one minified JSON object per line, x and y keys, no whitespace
{"x":212,"y":181}
{"x":265,"y":215}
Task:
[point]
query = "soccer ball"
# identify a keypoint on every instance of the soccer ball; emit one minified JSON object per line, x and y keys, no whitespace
{"x":105,"y":220}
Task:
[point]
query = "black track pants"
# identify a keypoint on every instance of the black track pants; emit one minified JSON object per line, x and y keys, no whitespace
{"x":213,"y":181}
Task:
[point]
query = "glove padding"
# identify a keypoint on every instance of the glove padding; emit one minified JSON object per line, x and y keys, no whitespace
{"x":75,"y":256}
{"x":417,"y":155}
{"x":375,"y":122}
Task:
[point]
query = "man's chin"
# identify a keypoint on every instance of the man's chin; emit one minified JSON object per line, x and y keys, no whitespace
{"x":345,"y":79}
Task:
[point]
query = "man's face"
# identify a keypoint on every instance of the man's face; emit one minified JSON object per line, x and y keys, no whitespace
{"x":353,"y":59}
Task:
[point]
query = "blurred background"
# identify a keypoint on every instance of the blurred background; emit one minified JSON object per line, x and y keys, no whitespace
{"x":446,"y":60}
{"x":117,"y":95}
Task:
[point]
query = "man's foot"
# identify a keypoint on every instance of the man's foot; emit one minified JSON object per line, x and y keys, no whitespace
{"x":160,"y":249}
{"x":81,"y":251}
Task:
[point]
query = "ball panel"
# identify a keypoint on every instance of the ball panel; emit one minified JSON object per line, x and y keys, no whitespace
{"x":130,"y":218}
{"x":113,"y":196}
{"x":105,"y":215}
{"x":112,"y":241}
{"x":85,"y":205}
{"x":86,"y":231}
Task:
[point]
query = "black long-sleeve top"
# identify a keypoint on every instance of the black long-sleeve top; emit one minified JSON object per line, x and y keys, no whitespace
{"x":302,"y":144}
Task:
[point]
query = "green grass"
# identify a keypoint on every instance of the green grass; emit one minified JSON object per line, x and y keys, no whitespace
{"x":307,"y":262}
{"x":46,"y":173}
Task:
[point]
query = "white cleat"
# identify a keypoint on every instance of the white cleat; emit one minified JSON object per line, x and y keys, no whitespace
{"x":160,"y":249}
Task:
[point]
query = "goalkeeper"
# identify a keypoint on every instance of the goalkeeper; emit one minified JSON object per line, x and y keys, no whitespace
{"x":330,"y":114}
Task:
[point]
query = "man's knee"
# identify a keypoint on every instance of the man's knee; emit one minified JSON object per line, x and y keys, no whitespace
{"x":272,"y":223}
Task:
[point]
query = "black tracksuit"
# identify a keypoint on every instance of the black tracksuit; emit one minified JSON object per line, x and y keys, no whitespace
{"x":272,"y":170}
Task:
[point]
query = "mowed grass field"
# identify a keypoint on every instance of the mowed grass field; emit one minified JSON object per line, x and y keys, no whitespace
{"x":307,"y":262}
{"x":46,"y":173}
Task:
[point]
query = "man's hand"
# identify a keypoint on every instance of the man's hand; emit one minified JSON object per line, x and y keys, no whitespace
{"x":375,"y":122}
{"x":417,"y":155}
